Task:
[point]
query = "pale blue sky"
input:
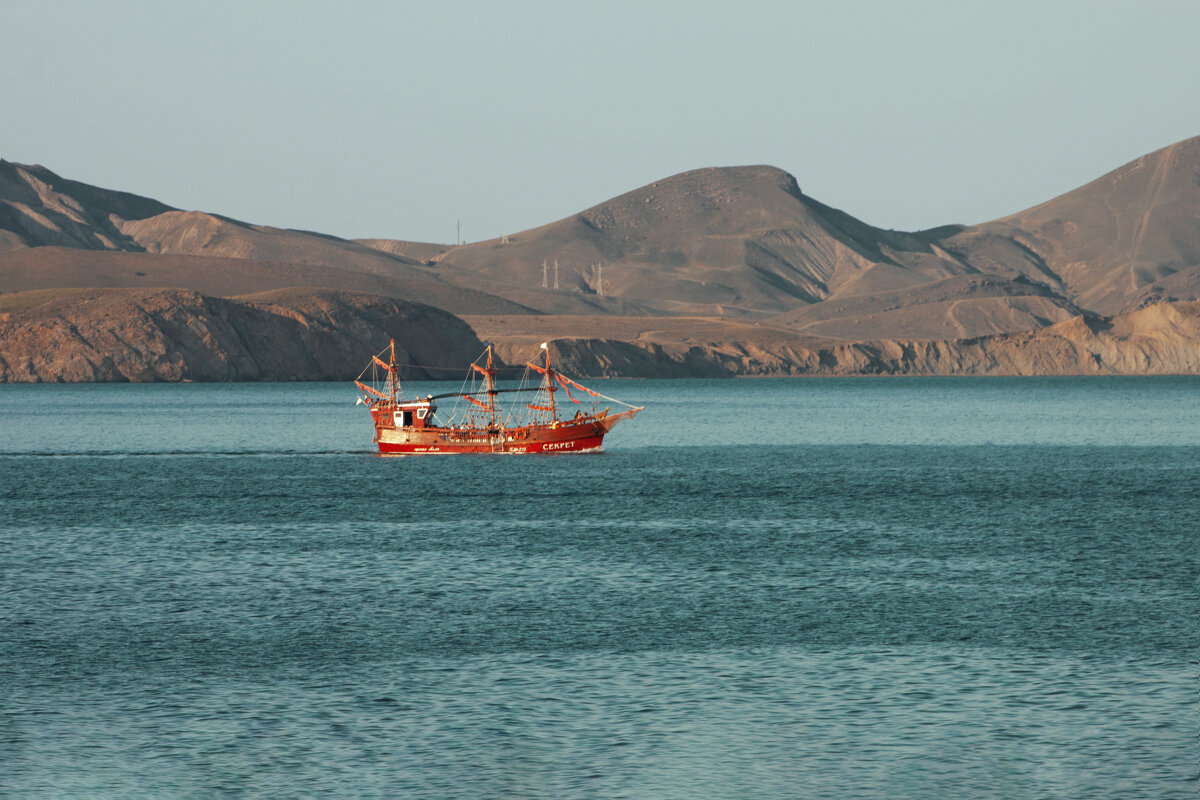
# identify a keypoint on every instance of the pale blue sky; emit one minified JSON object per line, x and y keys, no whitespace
{"x":397,"y":120}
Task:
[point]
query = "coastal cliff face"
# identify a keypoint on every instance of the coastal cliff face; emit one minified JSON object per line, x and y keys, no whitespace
{"x":82,"y":336}
{"x":1160,"y":339}
{"x":118,"y":335}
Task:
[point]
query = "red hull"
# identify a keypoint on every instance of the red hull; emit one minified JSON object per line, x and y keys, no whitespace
{"x":451,"y":448}
{"x":562,"y":437}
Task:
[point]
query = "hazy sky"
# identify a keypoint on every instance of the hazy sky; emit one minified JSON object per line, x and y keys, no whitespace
{"x":397,"y":120}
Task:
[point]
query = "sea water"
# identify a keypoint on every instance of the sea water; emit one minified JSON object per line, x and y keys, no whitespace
{"x":879,"y":588}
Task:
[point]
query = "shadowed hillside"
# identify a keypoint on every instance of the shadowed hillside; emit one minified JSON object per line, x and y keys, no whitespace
{"x":38,"y":208}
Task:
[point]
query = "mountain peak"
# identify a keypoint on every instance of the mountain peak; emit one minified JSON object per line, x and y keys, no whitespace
{"x":700,"y":194}
{"x":1110,"y":239}
{"x":39,"y":207}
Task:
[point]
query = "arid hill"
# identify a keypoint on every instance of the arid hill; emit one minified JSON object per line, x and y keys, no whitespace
{"x":39,"y":208}
{"x":60,"y":233}
{"x":1125,"y":240}
{"x":735,"y":241}
{"x":715,"y":271}
{"x":746,"y":242}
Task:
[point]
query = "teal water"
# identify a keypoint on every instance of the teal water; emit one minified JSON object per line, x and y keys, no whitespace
{"x":763,"y":589}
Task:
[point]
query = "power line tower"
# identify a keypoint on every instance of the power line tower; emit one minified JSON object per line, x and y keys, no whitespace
{"x":544,"y":284}
{"x":600,"y":279}
{"x":556,"y":273}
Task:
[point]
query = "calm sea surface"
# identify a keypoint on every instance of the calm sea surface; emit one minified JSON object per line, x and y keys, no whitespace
{"x":888,"y":588}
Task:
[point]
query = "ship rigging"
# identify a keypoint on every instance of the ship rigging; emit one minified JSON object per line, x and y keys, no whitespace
{"x":486,"y":417}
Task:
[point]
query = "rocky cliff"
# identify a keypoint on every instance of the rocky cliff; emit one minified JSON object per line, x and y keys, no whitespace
{"x":93,"y":335}
{"x":1160,"y":339}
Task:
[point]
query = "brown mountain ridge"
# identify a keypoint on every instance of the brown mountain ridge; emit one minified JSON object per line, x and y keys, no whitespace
{"x":738,"y":250}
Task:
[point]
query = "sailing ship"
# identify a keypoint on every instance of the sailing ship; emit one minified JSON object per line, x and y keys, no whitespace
{"x":487,"y":418}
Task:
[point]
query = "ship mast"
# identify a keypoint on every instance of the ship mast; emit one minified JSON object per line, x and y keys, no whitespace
{"x":392,"y":370}
{"x":491,"y":386}
{"x":550,"y":382}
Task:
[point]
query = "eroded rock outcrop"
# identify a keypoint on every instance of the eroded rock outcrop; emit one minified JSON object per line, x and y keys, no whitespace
{"x":1161,"y":339}
{"x":122,"y":335}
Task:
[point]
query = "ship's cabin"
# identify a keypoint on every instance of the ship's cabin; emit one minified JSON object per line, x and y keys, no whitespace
{"x":417,"y":414}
